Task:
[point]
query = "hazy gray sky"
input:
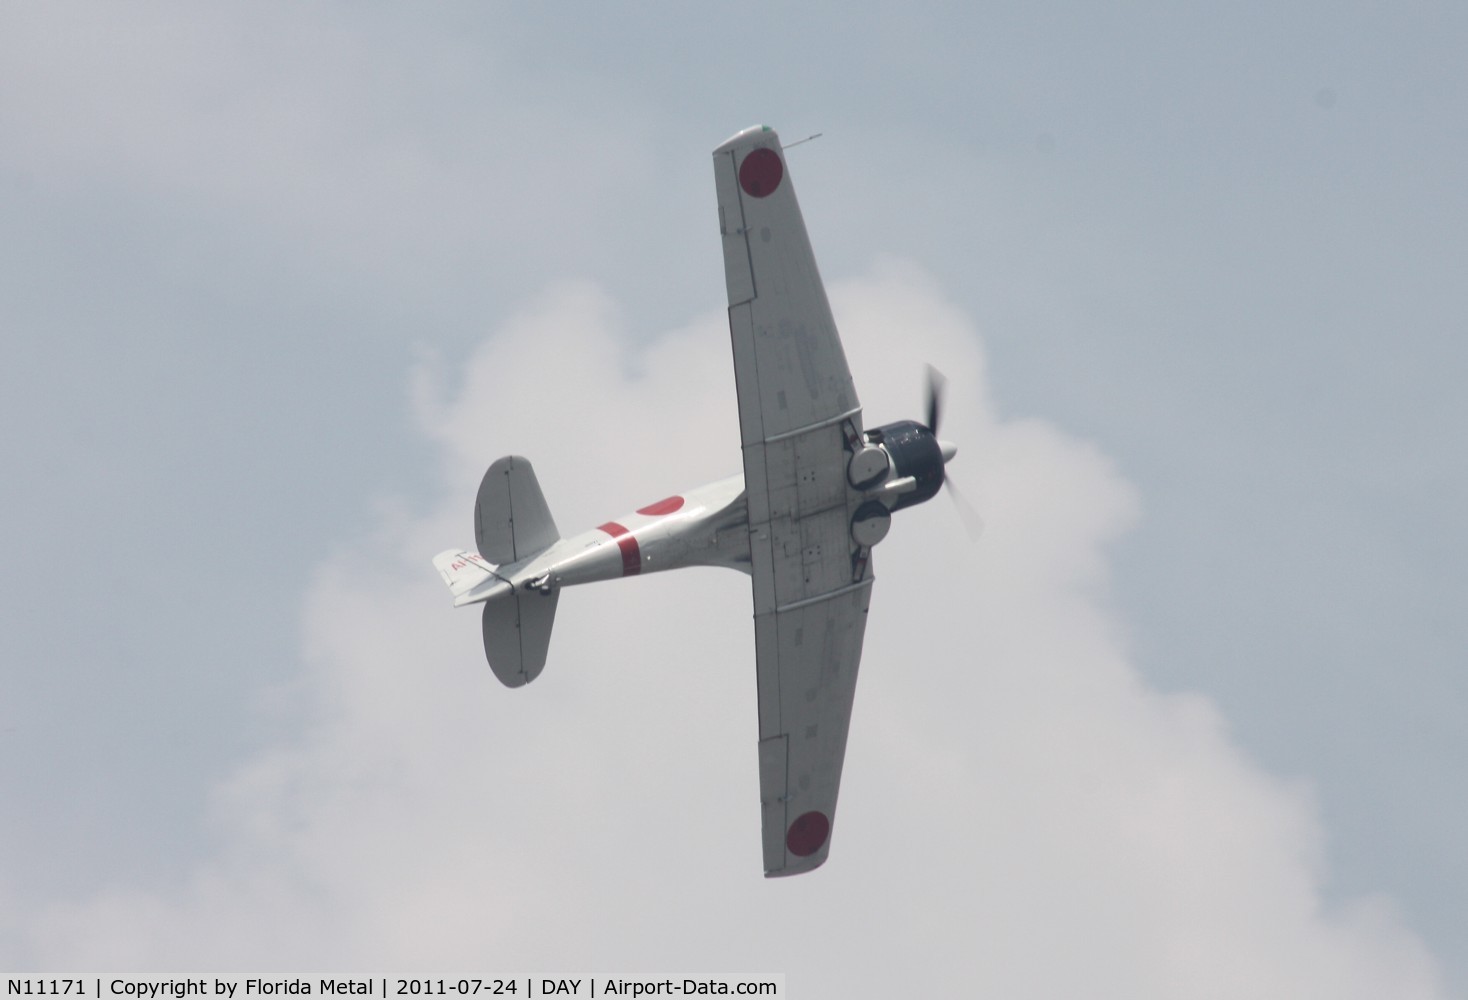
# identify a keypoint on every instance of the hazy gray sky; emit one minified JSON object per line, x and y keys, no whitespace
{"x":278,"y":283}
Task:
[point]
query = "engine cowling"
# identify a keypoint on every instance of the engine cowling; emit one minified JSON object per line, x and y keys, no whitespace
{"x":913,"y":450}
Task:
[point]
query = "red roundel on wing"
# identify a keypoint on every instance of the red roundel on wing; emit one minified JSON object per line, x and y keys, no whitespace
{"x":807,"y":834}
{"x":760,"y":173}
{"x":662,"y":506}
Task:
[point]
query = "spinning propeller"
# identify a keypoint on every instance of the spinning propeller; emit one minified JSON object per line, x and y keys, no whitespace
{"x":937,"y":385}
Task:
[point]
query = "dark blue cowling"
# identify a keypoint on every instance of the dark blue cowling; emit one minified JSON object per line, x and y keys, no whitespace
{"x":915,"y":452}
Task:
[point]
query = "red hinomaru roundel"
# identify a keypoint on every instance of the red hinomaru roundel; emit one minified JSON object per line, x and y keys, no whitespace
{"x":807,"y":834}
{"x":761,"y":172}
{"x":662,"y":506}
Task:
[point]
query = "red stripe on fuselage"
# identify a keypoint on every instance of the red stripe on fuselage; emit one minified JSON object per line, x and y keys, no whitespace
{"x":631,"y":554}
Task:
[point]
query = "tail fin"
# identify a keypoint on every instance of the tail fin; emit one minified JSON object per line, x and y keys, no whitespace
{"x":512,"y":523}
{"x":511,"y":520}
{"x":517,"y":635}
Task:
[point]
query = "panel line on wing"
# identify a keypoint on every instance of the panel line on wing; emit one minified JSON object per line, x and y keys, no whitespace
{"x":828,"y":595}
{"x":853,"y":412}
{"x":739,"y":279}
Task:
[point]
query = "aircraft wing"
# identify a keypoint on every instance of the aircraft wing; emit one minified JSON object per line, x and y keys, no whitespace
{"x":798,"y":412}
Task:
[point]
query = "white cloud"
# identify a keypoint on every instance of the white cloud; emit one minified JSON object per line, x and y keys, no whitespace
{"x":389,"y":149}
{"x":1021,"y":816}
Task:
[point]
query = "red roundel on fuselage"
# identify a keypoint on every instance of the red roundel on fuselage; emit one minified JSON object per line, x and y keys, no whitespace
{"x":807,"y":834}
{"x":760,"y":173}
{"x":662,"y":506}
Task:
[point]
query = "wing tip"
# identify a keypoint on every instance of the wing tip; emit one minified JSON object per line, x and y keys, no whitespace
{"x":801,"y":866}
{"x":745,"y":136}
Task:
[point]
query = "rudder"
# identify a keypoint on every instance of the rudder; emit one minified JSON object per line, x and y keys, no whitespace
{"x":517,"y":632}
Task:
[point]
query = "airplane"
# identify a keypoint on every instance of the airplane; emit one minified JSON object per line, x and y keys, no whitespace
{"x":816,"y":495}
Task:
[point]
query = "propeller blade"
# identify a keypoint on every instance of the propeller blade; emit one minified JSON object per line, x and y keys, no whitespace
{"x":973,"y":523}
{"x":936,"y":385}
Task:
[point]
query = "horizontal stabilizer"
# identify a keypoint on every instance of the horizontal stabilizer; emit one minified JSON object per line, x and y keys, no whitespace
{"x":469,"y":576}
{"x":462,"y":571}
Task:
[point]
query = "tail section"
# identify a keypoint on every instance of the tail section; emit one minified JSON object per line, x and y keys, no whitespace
{"x":511,"y":520}
{"x":517,"y":635}
{"x":462,"y":571}
{"x":470,"y":577}
{"x":512,"y":524}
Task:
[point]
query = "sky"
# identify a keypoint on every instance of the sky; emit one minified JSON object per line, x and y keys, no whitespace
{"x":279,"y":282}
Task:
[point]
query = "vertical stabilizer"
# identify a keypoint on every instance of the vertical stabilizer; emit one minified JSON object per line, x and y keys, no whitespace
{"x":517,"y":635}
{"x":511,"y":524}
